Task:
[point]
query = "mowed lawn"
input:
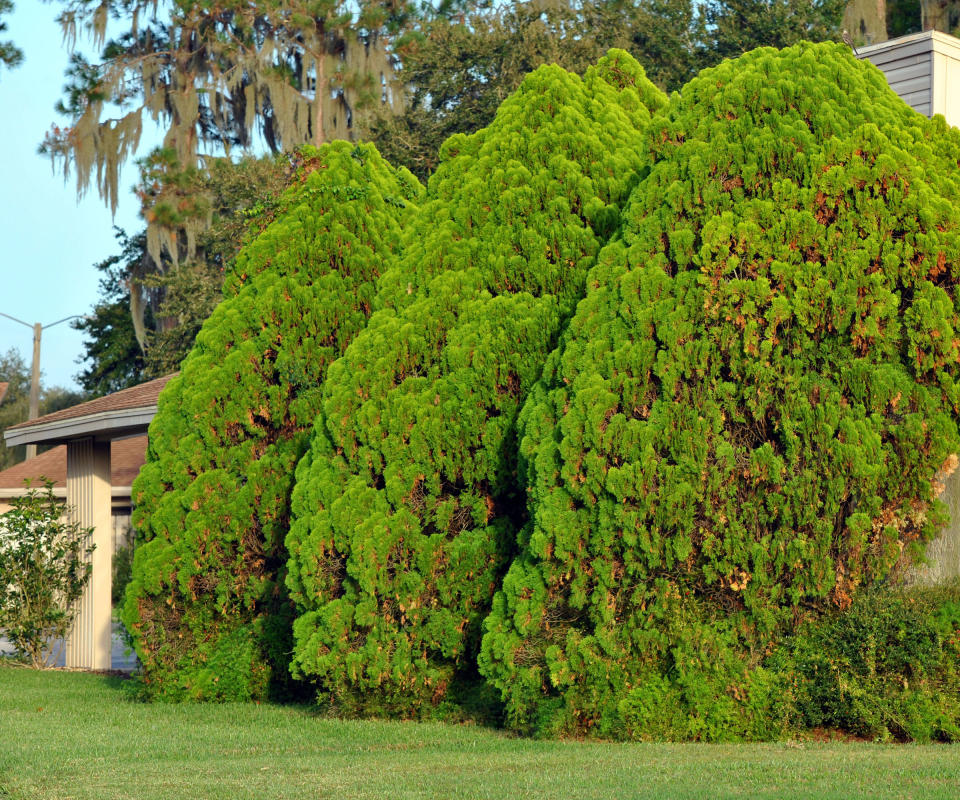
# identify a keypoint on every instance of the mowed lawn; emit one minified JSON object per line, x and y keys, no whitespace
{"x":68,"y":735}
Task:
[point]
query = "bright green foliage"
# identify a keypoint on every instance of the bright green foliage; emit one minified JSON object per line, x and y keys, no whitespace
{"x":206,"y":605}
{"x":715,"y":690}
{"x":44,"y":565}
{"x":751,"y":405}
{"x":408,"y":502}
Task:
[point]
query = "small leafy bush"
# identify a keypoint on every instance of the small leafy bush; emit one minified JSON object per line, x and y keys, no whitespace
{"x":887,"y":668}
{"x":709,"y":686}
{"x":44,"y":565}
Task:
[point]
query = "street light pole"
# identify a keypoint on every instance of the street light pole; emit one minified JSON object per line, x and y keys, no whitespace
{"x":35,"y":367}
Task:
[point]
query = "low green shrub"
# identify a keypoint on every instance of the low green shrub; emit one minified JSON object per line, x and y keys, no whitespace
{"x":44,"y":566}
{"x":887,"y":668}
{"x":711,"y":689}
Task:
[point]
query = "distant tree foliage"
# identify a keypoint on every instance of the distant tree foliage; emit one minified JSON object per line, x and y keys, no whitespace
{"x":212,"y":75}
{"x":206,"y":605}
{"x":408,"y":502}
{"x":902,"y":17}
{"x":733,"y":27}
{"x":460,"y":65}
{"x":112,"y":358}
{"x":10,"y":54}
{"x":15,"y":406}
{"x":752,"y":412}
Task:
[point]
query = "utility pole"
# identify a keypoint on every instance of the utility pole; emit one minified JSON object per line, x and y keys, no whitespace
{"x":35,"y":383}
{"x":35,"y":368}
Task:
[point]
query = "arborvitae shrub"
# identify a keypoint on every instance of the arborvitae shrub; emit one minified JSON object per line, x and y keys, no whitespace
{"x":407,"y":504}
{"x":207,"y":606}
{"x":752,"y":403}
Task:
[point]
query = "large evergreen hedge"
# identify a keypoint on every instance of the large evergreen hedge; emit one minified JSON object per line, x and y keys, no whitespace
{"x":207,"y":606}
{"x":744,"y":422}
{"x":407,"y":504}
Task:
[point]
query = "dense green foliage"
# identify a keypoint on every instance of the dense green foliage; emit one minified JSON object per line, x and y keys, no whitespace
{"x":746,"y":418}
{"x":884,"y":668}
{"x":888,"y":667}
{"x":408,"y":502}
{"x":663,"y":390}
{"x":206,"y":606}
{"x":44,"y":565}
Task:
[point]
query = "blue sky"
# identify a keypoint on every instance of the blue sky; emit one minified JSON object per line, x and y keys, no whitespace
{"x":49,"y":242}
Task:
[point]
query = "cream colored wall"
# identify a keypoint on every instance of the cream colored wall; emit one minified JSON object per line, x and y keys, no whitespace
{"x":88,"y":495}
{"x":946,"y":85}
{"x":943,"y":553}
{"x":120,"y":521}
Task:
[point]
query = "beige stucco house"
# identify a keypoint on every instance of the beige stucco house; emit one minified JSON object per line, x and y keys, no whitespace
{"x":90,"y":435}
{"x":126,"y":458}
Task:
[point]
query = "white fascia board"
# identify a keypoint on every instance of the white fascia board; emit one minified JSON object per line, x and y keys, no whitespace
{"x":105,"y":424}
{"x":118,"y":493}
{"x":59,"y":492}
{"x":895,"y":44}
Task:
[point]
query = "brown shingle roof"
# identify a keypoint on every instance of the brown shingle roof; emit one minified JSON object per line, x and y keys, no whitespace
{"x":142,"y":396}
{"x":126,"y":458}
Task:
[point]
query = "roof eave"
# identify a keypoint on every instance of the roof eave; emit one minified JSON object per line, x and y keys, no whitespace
{"x":111,"y":424}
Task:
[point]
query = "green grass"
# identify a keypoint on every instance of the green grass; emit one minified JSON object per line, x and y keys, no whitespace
{"x":68,"y":735}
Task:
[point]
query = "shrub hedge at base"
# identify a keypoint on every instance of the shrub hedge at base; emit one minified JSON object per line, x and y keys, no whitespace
{"x":887,"y":668}
{"x":407,"y":504}
{"x":746,"y":418}
{"x":207,"y":606}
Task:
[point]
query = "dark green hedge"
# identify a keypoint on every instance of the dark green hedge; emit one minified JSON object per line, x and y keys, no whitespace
{"x":207,"y":607}
{"x":886,"y":668}
{"x":407,"y":504}
{"x":744,"y":421}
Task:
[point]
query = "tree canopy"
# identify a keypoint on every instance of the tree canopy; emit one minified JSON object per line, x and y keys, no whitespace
{"x":407,"y":503}
{"x":206,"y":605}
{"x":752,"y":411}
{"x":10,"y":54}
{"x":212,"y":74}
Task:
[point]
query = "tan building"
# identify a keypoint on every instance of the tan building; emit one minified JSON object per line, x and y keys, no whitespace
{"x":126,"y":458}
{"x":923,"y":69}
{"x":88,"y":432}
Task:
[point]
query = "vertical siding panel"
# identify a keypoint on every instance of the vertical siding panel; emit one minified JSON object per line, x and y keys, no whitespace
{"x":923,"y":69}
{"x":88,"y":496}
